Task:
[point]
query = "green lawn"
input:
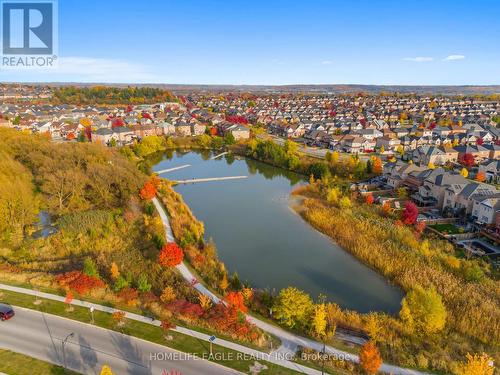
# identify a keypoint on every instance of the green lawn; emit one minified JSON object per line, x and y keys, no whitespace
{"x":446,"y":228}
{"x":144,"y":331}
{"x":18,"y":364}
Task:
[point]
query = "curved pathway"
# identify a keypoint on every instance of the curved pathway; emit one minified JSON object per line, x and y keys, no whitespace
{"x":289,"y":341}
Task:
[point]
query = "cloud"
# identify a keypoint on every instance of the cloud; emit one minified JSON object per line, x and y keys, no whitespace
{"x":454,"y":58}
{"x":93,"y":69}
{"x":419,"y":59}
{"x":326,"y":62}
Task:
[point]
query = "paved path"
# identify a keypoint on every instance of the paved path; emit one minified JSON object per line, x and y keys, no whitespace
{"x":289,"y":341}
{"x":278,"y":360}
{"x":172,"y":169}
{"x":196,"y":180}
{"x":40,"y":335}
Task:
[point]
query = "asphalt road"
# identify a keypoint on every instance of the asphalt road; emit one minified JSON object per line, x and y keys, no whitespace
{"x":40,"y":335}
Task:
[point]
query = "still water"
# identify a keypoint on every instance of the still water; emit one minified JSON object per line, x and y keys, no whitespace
{"x":260,"y":237}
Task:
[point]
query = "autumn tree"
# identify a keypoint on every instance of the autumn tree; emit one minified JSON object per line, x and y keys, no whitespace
{"x":480,"y":176}
{"x":224,"y":284}
{"x":464,"y":172}
{"x":369,"y":199}
{"x":205,"y":301}
{"x":168,"y":295}
{"x":477,"y":364}
{"x":467,"y":160}
{"x":377,"y":165}
{"x":148,"y":191}
{"x":409,"y":214}
{"x":293,"y":307}
{"x":373,"y":327}
{"x":106,"y":370}
{"x":319,"y":321}
{"x":68,"y":299}
{"x":170,"y":255}
{"x":118,"y":318}
{"x":423,"y":310}
{"x":369,"y":358}
{"x":114,"y":271}
{"x":166,"y":325}
{"x":236,"y":300}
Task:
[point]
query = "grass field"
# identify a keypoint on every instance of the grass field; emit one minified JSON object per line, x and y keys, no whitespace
{"x":445,"y":228}
{"x":18,"y":364}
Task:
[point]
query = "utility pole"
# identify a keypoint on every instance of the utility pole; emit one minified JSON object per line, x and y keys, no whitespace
{"x":63,"y":345}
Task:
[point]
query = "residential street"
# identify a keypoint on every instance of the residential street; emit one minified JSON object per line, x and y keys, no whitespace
{"x":40,"y":335}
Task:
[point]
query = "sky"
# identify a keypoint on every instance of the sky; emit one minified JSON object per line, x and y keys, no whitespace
{"x":405,"y":42}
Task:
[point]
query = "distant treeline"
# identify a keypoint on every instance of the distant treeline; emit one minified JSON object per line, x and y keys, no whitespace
{"x":110,"y":95}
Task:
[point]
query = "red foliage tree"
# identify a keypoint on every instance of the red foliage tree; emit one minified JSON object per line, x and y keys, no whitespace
{"x":148,"y":192}
{"x":170,"y":255}
{"x":88,"y":133}
{"x":129,"y":109}
{"x":185,"y":308}
{"x":236,"y":300}
{"x":118,"y":122}
{"x":79,"y":281}
{"x":467,"y":159}
{"x":480,"y":141}
{"x":409,"y":214}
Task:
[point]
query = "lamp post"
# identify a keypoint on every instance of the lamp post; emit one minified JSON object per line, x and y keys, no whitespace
{"x":63,"y":345}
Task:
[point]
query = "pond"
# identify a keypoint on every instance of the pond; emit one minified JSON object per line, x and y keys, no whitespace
{"x":259,"y":236}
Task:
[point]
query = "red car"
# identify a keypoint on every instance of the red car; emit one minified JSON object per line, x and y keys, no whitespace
{"x":6,"y":312}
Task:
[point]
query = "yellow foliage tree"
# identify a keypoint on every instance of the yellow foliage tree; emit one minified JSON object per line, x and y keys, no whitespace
{"x":168,"y":295}
{"x":464,"y":172}
{"x":205,"y":301}
{"x":319,"y":321}
{"x":431,"y":165}
{"x":115,"y":272}
{"x":224,"y":284}
{"x":106,"y":370}
{"x":477,"y":364}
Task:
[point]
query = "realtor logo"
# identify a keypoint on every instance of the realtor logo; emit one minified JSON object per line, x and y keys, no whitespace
{"x":29,"y":33}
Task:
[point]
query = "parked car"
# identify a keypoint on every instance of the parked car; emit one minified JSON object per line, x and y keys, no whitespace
{"x":6,"y":312}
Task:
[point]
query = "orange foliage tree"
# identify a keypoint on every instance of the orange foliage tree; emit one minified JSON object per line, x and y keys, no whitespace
{"x":481,"y":176}
{"x":148,"y":191}
{"x":369,"y":358}
{"x":236,"y":300}
{"x":369,"y":199}
{"x":170,"y":255}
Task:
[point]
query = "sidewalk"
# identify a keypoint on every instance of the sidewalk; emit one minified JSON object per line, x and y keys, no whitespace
{"x":258,"y":355}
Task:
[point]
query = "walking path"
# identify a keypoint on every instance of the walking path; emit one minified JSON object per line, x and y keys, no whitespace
{"x":194,"y":180}
{"x":172,"y":169}
{"x":220,"y":155}
{"x":257,"y":354}
{"x":289,"y":341}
